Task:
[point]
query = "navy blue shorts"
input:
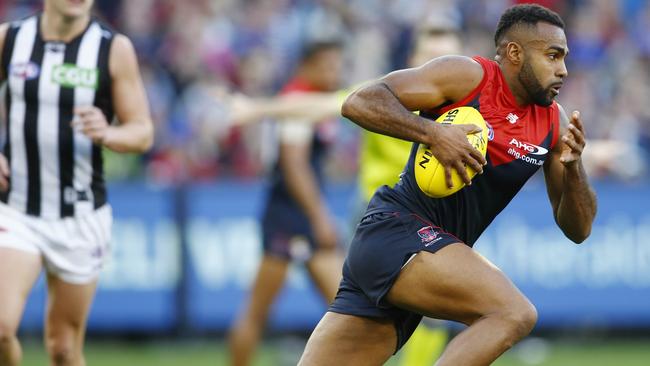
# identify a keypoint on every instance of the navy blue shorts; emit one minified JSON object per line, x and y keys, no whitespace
{"x":383,"y":243}
{"x":286,"y":233}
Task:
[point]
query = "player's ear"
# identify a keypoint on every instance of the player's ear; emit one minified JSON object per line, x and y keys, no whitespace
{"x":514,"y":53}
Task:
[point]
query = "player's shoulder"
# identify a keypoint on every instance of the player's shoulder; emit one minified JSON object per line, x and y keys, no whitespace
{"x":457,"y":65}
{"x":122,"y":59}
{"x":456,"y":76}
{"x":122,"y":50}
{"x":4,"y":28}
{"x":122,"y":44}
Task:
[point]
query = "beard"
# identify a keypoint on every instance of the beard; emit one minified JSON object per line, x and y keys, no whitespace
{"x":536,"y":92}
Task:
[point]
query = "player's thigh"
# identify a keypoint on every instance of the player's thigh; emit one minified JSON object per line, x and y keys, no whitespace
{"x":342,"y":340}
{"x":454,"y":283}
{"x":68,"y":306}
{"x":18,"y":272}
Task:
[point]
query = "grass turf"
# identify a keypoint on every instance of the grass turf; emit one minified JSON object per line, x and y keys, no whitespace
{"x":286,"y":352}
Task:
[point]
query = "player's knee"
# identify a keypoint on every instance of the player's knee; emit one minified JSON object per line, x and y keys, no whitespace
{"x":7,"y":334}
{"x":62,"y":350}
{"x":521,"y":320}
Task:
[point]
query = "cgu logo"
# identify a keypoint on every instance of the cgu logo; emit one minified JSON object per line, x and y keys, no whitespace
{"x":528,"y":147}
{"x":71,"y":76}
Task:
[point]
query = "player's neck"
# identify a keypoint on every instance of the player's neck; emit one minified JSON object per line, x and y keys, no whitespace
{"x":516,"y":88}
{"x":56,"y":27}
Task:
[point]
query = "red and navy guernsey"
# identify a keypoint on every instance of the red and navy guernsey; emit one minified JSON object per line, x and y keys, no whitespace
{"x":520,"y":140}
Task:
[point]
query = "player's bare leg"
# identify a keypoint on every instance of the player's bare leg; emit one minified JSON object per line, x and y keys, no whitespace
{"x":455,"y":283}
{"x":68,"y":306}
{"x":18,"y":273}
{"x":459,"y":284}
{"x":246,"y":332}
{"x":325,"y":269}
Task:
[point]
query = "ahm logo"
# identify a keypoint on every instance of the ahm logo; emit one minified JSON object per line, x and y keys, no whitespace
{"x":512,"y":118}
{"x":528,"y":147}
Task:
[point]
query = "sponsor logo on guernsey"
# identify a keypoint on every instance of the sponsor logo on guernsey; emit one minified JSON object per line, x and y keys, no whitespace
{"x":528,"y":147}
{"x":512,"y":118}
{"x":72,"y":76}
{"x":25,"y":70}
{"x":490,"y":131}
{"x":428,"y":235}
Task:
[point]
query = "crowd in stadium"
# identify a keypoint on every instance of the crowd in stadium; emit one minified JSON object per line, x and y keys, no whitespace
{"x":252,"y":46}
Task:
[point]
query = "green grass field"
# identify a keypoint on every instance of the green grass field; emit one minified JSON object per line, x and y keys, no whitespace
{"x":286,"y":352}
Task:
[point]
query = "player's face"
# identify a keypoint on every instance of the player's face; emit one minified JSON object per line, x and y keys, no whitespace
{"x":429,"y":47}
{"x":70,"y":8}
{"x":543,"y":69}
{"x":326,"y":69}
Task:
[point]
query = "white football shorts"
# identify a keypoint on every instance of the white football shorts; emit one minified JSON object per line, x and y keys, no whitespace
{"x":73,"y":249}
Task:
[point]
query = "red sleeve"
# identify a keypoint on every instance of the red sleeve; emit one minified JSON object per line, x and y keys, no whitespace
{"x":488,"y":67}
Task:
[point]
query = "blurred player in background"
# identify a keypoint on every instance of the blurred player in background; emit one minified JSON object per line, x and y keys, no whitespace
{"x":67,"y":76}
{"x":393,"y":275}
{"x":382,"y":157}
{"x":296,"y":224}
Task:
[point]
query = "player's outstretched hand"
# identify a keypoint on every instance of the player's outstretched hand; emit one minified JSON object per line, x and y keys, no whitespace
{"x":450,"y":146}
{"x":574,"y":140}
{"x":92,"y":122}
{"x":4,"y":174}
{"x":242,"y":110}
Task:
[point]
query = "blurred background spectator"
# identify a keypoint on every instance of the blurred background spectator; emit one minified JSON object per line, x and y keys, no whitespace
{"x":251,"y":46}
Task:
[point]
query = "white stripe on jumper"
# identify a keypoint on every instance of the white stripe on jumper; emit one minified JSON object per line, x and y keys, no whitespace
{"x":23,"y":45}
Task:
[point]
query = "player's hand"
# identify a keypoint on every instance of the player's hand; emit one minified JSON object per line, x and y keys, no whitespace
{"x":242,"y":110}
{"x":92,"y":122}
{"x":450,"y":146}
{"x":4,"y":173}
{"x":574,"y":141}
{"x":325,"y":233}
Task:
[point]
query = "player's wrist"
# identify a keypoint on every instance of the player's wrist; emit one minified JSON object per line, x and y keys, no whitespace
{"x":431,"y":133}
{"x":107,"y":137}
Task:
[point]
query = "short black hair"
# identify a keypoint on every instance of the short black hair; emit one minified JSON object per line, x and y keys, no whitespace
{"x":313,"y":48}
{"x":529,"y":14}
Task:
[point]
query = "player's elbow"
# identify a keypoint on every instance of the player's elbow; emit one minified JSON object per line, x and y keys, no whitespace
{"x":349,"y":109}
{"x":146,"y":140}
{"x":580,"y":235}
{"x":357,"y":103}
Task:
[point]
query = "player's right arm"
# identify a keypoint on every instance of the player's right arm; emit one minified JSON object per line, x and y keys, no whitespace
{"x":3,"y":34}
{"x":4,"y":166}
{"x":301,"y":181}
{"x":385,"y":107}
{"x":308,"y":107}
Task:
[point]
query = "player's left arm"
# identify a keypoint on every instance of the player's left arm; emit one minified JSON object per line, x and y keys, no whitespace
{"x":572,"y":198}
{"x":134,"y":133}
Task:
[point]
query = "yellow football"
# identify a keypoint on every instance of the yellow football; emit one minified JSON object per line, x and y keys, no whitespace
{"x":430,"y":174}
